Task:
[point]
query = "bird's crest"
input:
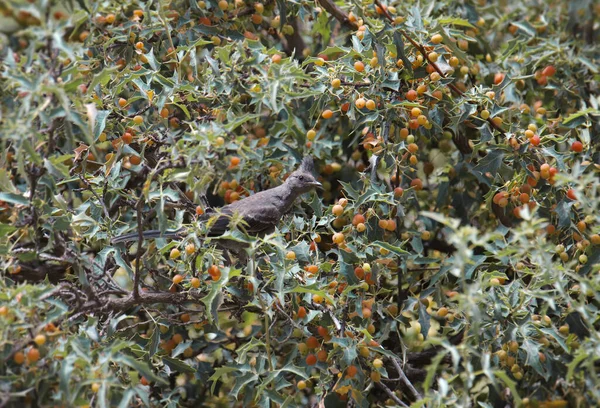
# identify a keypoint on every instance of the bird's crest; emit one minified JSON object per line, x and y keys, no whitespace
{"x":308,"y":165}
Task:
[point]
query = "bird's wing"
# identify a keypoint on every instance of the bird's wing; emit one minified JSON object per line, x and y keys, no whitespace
{"x":258,"y":212}
{"x":258,"y":221}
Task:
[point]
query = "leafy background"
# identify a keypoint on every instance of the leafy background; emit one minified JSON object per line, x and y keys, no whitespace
{"x":451,"y":260}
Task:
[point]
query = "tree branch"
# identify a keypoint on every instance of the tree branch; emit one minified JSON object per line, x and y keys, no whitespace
{"x":338,"y":13}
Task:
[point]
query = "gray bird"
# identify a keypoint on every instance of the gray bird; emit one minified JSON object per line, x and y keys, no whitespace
{"x":261,"y":211}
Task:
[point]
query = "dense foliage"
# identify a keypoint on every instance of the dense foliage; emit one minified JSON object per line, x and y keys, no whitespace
{"x":452,"y":259}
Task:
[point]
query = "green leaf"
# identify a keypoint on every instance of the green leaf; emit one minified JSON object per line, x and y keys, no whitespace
{"x":243,"y":381}
{"x":533,"y":358}
{"x":455,"y":21}
{"x":14,"y":198}
{"x":399,"y":43}
{"x":178,"y":365}
{"x":154,"y":341}
{"x":100,"y":124}
{"x":6,"y":183}
{"x":141,"y":367}
{"x":510,"y":383}
{"x":6,"y":229}
{"x":580,"y":114}
{"x":396,"y":250}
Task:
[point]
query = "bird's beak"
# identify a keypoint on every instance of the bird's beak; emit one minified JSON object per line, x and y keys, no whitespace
{"x":318,"y":185}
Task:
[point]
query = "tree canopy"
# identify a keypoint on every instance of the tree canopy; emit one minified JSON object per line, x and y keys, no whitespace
{"x":452,"y":258}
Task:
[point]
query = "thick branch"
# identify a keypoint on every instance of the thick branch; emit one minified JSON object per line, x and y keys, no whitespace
{"x":147,"y":298}
{"x":338,"y":13}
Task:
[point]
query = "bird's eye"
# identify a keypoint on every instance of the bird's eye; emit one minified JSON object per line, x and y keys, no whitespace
{"x":300,"y":178}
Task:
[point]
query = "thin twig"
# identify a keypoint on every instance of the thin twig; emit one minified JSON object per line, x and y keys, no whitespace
{"x":405,"y":379}
{"x":138,"y":255}
{"x":391,"y":394}
{"x":96,"y":196}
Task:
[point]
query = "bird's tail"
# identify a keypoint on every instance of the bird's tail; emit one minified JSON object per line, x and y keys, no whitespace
{"x":150,"y":234}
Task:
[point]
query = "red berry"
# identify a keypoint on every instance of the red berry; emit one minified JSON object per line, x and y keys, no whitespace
{"x":571,"y":194}
{"x":577,"y":146}
{"x":549,"y":71}
{"x":311,"y":359}
{"x":312,"y":342}
{"x":498,"y":78}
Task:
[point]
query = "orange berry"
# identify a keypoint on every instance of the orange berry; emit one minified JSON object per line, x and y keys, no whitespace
{"x":358,"y":219}
{"x":359,"y":66}
{"x":327,"y":114}
{"x":337,"y":210}
{"x":301,"y":312}
{"x":417,"y":184}
{"x":312,"y":342}
{"x":411,"y":95}
{"x":127,"y":138}
{"x":195,"y":282}
{"x":19,"y":357}
{"x":351,"y":371}
{"x":33,"y":355}
{"x":177,"y":279}
{"x":390,"y":225}
{"x":338,"y":237}
{"x":122,"y":102}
